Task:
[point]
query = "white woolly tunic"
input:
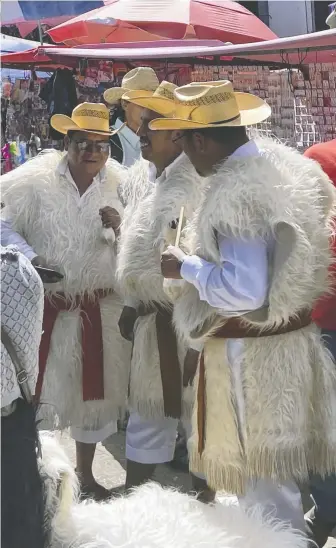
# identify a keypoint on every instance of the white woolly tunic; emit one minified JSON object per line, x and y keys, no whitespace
{"x":288,"y":381}
{"x":66,"y":230}
{"x":150,"y":228}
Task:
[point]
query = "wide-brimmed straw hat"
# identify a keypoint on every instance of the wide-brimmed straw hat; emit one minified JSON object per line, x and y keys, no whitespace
{"x":87,"y":117}
{"x":138,"y":79}
{"x":161,"y":101}
{"x":213,"y":104}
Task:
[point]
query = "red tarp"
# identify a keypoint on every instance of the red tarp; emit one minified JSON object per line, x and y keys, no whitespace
{"x":30,"y":58}
{"x":131,"y":20}
{"x":318,"y":47}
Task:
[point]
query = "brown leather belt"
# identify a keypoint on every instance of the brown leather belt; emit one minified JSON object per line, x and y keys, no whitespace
{"x":237,"y":328}
{"x":169,"y":362}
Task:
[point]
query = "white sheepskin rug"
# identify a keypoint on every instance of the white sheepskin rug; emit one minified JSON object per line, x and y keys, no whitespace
{"x":153,"y":517}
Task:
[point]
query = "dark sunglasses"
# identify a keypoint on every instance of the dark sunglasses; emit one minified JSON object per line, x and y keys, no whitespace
{"x":86,"y":145}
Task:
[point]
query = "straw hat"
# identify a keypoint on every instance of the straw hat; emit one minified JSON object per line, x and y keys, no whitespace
{"x":87,"y":117}
{"x":140,"y":79}
{"x":213,"y":104}
{"x":161,"y":101}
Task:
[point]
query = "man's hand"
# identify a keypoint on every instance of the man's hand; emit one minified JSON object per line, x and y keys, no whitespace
{"x":190,"y":367}
{"x":126,"y":322}
{"x":110,"y":218}
{"x":39,"y":261}
{"x":170,"y":266}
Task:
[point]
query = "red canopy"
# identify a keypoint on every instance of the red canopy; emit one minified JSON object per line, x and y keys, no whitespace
{"x":318,"y":47}
{"x":135,"y":20}
{"x":26,"y":27}
{"x":30,"y":58}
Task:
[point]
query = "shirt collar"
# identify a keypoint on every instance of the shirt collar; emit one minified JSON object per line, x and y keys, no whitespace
{"x":248,"y":149}
{"x":64,"y":171}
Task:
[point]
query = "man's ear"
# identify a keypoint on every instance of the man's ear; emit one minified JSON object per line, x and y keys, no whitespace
{"x":198,"y":141}
{"x":66,"y":143}
{"x":177,"y":135}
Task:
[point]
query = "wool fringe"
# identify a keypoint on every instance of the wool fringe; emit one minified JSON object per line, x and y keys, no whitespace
{"x":155,"y":409}
{"x":220,"y":476}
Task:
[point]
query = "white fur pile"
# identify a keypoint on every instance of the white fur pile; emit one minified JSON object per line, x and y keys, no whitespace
{"x":153,"y":517}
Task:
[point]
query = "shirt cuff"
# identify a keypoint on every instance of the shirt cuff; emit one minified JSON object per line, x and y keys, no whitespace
{"x":190,"y":267}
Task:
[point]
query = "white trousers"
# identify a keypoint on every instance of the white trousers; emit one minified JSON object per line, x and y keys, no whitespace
{"x":152,"y":441}
{"x":84,"y":435}
{"x":282,"y":501}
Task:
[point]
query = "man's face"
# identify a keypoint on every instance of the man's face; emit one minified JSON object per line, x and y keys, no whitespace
{"x":156,"y":146}
{"x":132,"y":115}
{"x":87,"y":151}
{"x":199,"y":150}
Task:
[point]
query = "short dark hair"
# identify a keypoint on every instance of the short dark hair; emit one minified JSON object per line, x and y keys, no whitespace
{"x":117,"y":112}
{"x":72,"y":133}
{"x":221,"y":134}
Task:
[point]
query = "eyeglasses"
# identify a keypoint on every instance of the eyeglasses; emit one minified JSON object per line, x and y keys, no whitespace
{"x":100,"y":146}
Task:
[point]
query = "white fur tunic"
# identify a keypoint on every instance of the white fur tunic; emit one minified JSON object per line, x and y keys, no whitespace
{"x":288,"y":381}
{"x":147,"y":233}
{"x":65,"y":229}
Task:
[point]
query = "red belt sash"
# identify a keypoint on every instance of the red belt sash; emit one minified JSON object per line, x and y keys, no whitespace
{"x":91,"y":339}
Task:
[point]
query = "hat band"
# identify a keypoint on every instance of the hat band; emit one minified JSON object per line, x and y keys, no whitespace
{"x":227,"y":120}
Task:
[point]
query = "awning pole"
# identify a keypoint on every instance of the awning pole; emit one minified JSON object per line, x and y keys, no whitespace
{"x":40,"y":31}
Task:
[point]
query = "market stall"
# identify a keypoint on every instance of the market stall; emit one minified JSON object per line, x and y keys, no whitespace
{"x":296,"y":75}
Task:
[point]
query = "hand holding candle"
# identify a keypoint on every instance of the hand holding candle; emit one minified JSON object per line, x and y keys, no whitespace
{"x":171,"y":260}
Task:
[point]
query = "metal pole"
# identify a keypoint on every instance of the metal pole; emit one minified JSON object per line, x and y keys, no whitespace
{"x":40,"y":31}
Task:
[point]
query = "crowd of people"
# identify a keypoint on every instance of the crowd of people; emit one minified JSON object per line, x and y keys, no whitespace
{"x":191,"y":282}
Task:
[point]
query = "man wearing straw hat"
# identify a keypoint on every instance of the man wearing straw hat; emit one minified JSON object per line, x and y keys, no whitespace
{"x":141,"y":79}
{"x":156,"y":396}
{"x":257,"y":260}
{"x":63,"y":211}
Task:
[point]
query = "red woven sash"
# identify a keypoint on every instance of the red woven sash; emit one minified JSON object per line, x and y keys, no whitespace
{"x":92,"y":339}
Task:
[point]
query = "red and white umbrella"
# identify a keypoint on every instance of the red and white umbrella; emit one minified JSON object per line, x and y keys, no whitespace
{"x":145,"y":20}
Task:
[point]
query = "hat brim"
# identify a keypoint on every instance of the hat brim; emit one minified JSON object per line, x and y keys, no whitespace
{"x":63,"y":124}
{"x":113,"y":95}
{"x":162,"y":106}
{"x":253,"y":110}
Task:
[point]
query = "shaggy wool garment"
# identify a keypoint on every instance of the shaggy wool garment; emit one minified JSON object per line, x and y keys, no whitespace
{"x":287,"y":382}
{"x":65,"y":229}
{"x":149,"y":227}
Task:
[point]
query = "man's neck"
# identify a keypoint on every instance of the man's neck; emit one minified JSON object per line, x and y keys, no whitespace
{"x":160,"y":168}
{"x":81,"y":179}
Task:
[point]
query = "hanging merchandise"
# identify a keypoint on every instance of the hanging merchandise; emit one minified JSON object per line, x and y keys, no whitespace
{"x":6,"y":88}
{"x":60,"y":95}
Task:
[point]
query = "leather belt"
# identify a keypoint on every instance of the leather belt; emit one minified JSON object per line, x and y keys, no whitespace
{"x":168,"y":353}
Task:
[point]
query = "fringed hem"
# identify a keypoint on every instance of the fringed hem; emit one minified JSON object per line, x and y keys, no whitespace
{"x":220,"y":476}
{"x":93,"y":418}
{"x":321,"y":458}
{"x":155,"y":410}
{"x":280,"y":465}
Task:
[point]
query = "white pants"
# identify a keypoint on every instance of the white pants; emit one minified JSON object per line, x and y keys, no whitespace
{"x":84,"y":435}
{"x":283,"y":501}
{"x":152,"y":441}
